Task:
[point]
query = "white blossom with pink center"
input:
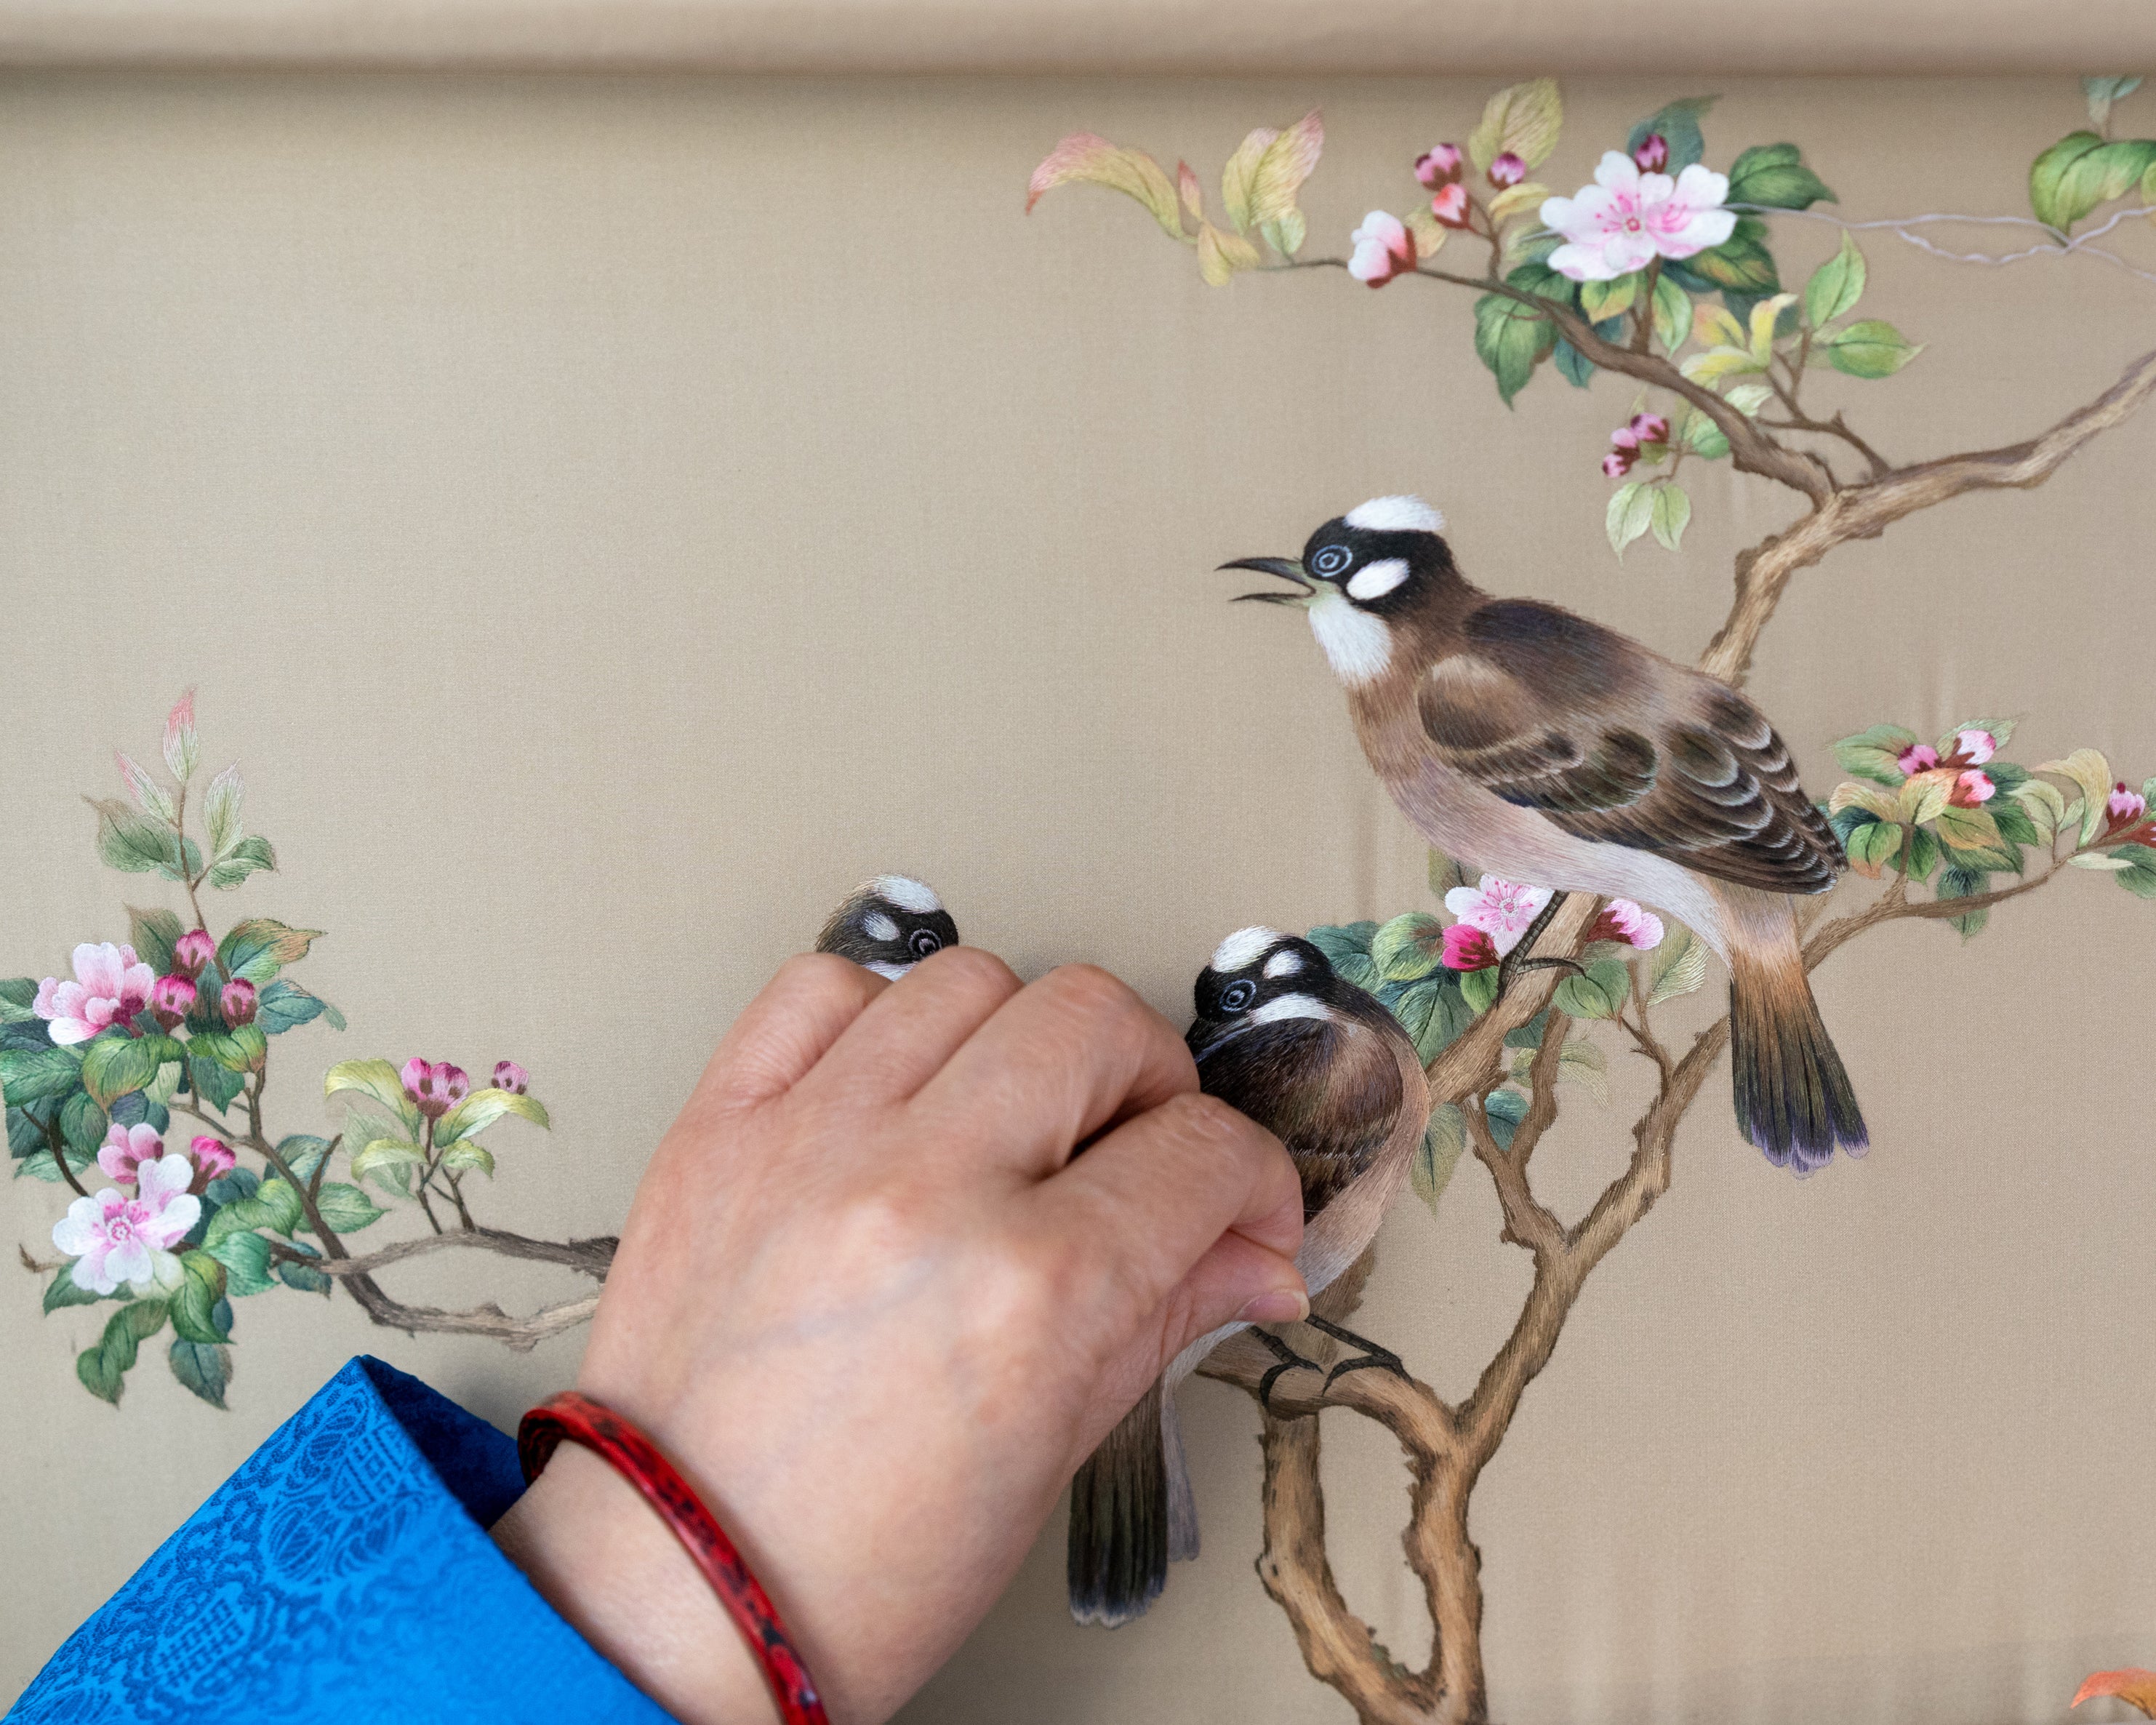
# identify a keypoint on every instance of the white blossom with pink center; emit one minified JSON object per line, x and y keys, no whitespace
{"x":1627,"y":218}
{"x":1503,"y":910}
{"x":128,"y":1148}
{"x":1383,"y":248}
{"x":115,"y":1238}
{"x":1621,"y":919}
{"x":111,"y":986}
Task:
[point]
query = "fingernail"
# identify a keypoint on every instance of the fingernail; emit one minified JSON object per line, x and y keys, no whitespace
{"x":1280,"y":1305}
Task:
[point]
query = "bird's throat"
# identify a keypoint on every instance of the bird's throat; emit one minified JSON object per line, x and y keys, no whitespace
{"x":1357,"y":645}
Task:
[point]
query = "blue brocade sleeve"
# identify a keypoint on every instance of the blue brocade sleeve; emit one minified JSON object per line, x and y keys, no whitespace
{"x":343,"y":1574}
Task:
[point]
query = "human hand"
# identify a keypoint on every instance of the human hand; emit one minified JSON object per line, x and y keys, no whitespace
{"x":871,"y":1309}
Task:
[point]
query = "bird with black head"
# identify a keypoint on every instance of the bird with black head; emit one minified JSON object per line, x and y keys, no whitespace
{"x":889,"y":925}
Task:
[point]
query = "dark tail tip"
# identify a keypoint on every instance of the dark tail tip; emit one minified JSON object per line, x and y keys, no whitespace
{"x":1116,"y":1557}
{"x":1793,"y":1098}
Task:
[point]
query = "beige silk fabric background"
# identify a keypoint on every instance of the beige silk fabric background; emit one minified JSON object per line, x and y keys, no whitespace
{"x":607,"y":516}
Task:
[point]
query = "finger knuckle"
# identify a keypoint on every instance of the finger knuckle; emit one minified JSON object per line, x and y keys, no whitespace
{"x":1096,"y":995}
{"x":972,"y":970}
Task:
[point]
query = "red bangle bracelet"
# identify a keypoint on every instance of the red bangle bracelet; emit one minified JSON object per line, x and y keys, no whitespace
{"x":636,"y":1458}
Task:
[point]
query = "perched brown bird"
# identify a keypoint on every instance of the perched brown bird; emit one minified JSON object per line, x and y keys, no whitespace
{"x":1330,"y":1072}
{"x":1542,"y":747}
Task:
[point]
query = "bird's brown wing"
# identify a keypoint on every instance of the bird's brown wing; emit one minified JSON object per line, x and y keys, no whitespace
{"x":1609,"y":742}
{"x":1329,"y":1091}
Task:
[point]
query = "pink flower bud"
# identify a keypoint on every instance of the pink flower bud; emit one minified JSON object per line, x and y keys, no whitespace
{"x":512,"y":1077}
{"x":1438,"y":165}
{"x":1918,"y":758}
{"x":192,"y":950}
{"x":1971,"y":788}
{"x":1973,"y":748}
{"x":1653,"y":155}
{"x":1468,"y":948}
{"x":1507,"y":170}
{"x":1625,"y":438}
{"x":171,"y":998}
{"x":213,"y":1156}
{"x":1621,"y":919}
{"x":434,"y":1088}
{"x":1650,"y":428}
{"x":2125,"y":805}
{"x":1450,"y":206}
{"x":239,"y":1001}
{"x":1616,"y":465}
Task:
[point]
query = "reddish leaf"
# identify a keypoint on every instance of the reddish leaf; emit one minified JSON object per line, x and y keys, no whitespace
{"x":2134,"y":1686}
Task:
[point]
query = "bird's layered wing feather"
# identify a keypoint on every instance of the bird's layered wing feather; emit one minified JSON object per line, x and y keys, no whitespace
{"x":1328,"y":1091}
{"x":1609,"y":741}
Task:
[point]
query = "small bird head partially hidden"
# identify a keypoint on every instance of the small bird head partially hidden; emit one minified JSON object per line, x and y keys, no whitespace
{"x":889,"y":926}
{"x":1260,"y":976}
{"x":1359,"y":573}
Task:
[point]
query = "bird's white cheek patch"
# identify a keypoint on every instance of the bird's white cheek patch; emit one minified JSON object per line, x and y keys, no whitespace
{"x":1374,"y":580}
{"x":877,"y":926}
{"x":1288,"y":1006}
{"x":1357,"y":645}
{"x":1282,"y":964}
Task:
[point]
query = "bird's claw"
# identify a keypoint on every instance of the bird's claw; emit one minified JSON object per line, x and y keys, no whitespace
{"x":1289,"y":1360}
{"x":1371,"y":1355}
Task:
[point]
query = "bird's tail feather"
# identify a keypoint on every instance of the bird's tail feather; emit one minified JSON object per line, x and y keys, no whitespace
{"x":1793,"y":1098}
{"x":1117,"y":1559}
{"x":1182,"y":1504}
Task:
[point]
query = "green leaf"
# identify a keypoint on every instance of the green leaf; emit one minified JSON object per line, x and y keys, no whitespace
{"x":1872,"y":848}
{"x":1775,"y":175}
{"x":345,"y":1209}
{"x":1575,"y":367}
{"x":1673,"y":314}
{"x":1438,"y":1153}
{"x":1958,"y":881}
{"x":30,"y":1074}
{"x":2081,"y":171}
{"x":274,"y":1206}
{"x":117,"y":1063}
{"x":2102,"y":92}
{"x":240,"y":1051}
{"x":1968,"y":828}
{"x":1510,"y":339}
{"x":2012,"y":820}
{"x":378,"y":1079}
{"x":203,"y":1366}
{"x":1600,"y":994}
{"x":153,"y":934}
{"x":1504,"y":1109}
{"x":1923,"y":855}
{"x":1478,"y":989}
{"x":217,"y":1084}
{"x":2138,"y":877}
{"x":246,"y":1260}
{"x":2088,"y":769}
{"x":103,"y":1367}
{"x":1083,"y":157}
{"x":285,"y":1004}
{"x":1405,"y":950}
{"x":61,"y":1290}
{"x":249,"y":854}
{"x":467,"y":1155}
{"x":481,"y":1109}
{"x":1869,"y":348}
{"x":183,"y":747}
{"x":299,"y":1276}
{"x":194,"y":1304}
{"x":83,"y":1123}
{"x":1341,"y":940}
{"x":130,"y":841}
{"x":1579,"y":1061}
{"x":260,"y":946}
{"x":1672,"y":512}
{"x":1740,"y":263}
{"x":1678,"y":965}
{"x":1874,"y":754}
{"x":302,"y":1152}
{"x":1433,"y":1013}
{"x":1522,"y":118}
{"x":221,"y":804}
{"x":1678,"y":125}
{"x":1836,"y":286}
{"x":1600,"y":300}
{"x":1630,"y":512}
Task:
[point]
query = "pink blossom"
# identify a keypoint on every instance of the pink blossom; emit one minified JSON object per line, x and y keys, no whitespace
{"x":1507,"y":170}
{"x":1627,"y":217}
{"x":238,"y":1001}
{"x":1649,"y":428}
{"x":114,"y":1239}
{"x":512,"y":1077}
{"x":2125,"y":805}
{"x":1438,"y":165}
{"x":1616,"y":465}
{"x":1653,"y":155}
{"x":435,"y":1088}
{"x":1973,"y":748}
{"x":1383,"y":248}
{"x":111,"y":986}
{"x":1918,"y":758}
{"x":212,"y":1157}
{"x":171,"y":998}
{"x":1501,"y":909}
{"x":127,"y":1148}
{"x":192,"y":950}
{"x":1467,"y":948}
{"x":1451,"y":206}
{"x":1624,"y":439}
{"x":1971,"y":788}
{"x":1621,"y":919}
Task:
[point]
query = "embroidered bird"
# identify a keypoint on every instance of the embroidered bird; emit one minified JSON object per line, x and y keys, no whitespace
{"x":889,"y":925}
{"x":1330,"y":1072}
{"x":1537,"y":746}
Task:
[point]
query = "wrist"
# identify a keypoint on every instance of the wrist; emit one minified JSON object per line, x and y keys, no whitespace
{"x":598,"y":1553}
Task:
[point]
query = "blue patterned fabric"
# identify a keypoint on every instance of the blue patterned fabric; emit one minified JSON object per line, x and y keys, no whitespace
{"x":343,"y":1574}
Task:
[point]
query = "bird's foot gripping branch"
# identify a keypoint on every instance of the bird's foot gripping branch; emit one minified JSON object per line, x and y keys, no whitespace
{"x":138,"y":1083}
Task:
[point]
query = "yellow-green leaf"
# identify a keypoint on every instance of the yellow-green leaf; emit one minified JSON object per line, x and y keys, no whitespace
{"x":1712,"y":326}
{"x":2046,"y":803}
{"x":1527,"y":195}
{"x":1287,"y":163}
{"x":379,"y":1080}
{"x":1221,"y":254}
{"x":2132,"y":1685}
{"x":2091,"y":772}
{"x":1852,"y":794}
{"x":1673,"y":319}
{"x":1600,"y":300}
{"x":1242,"y":168}
{"x":1672,"y":512}
{"x":1719,"y":363}
{"x":386,"y":1152}
{"x":1969,"y":828}
{"x":1084,"y":156}
{"x":1631,"y":511}
{"x":1428,"y":234}
{"x":1835,"y":286}
{"x":1524,"y":119}
{"x":1923,"y":795}
{"x":1764,"y":316}
{"x":1186,"y":185}
{"x":480,"y":1110}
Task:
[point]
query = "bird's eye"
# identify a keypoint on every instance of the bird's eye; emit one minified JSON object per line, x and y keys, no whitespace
{"x":1237,"y":995}
{"x":1331,"y":560}
{"x":922,"y":941}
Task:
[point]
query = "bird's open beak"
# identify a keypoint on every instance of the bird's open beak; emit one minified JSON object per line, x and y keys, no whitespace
{"x":1288,"y":569}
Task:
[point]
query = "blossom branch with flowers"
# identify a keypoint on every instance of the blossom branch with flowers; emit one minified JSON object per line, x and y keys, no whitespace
{"x":1661,"y":271}
{"x":177,"y":1021}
